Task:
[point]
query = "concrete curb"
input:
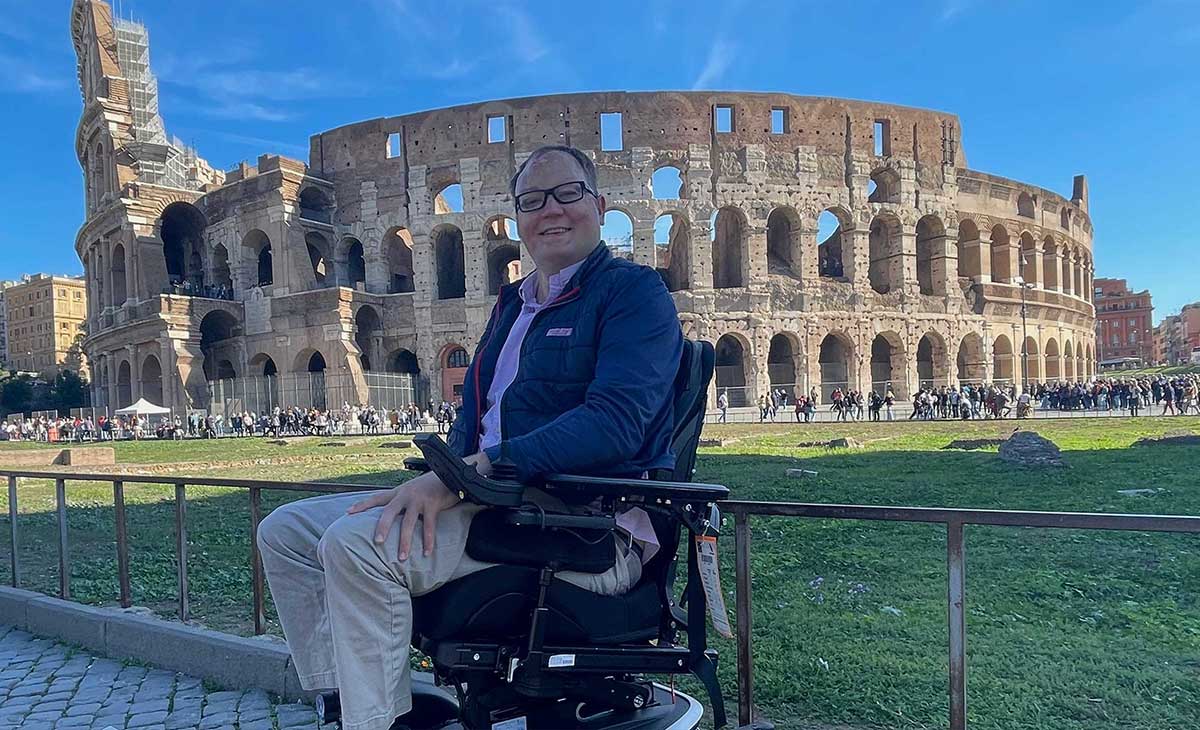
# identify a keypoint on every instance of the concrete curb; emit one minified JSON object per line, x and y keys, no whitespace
{"x":232,"y":662}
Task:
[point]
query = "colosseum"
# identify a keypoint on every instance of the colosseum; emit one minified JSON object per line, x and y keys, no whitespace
{"x":818,"y":242}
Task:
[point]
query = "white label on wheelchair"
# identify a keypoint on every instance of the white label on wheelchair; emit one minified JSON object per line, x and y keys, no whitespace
{"x":562,"y":660}
{"x":517,"y":723}
{"x":710,"y":578}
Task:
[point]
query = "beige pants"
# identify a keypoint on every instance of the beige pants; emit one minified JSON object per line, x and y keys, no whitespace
{"x":345,"y":602}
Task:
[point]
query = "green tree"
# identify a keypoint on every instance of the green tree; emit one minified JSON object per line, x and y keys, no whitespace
{"x":16,"y":394}
{"x":69,"y":391}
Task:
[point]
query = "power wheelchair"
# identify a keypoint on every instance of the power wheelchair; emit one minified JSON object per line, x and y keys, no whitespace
{"x":522,"y":651}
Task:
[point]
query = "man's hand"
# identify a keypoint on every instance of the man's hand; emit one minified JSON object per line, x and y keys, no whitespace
{"x":423,"y":497}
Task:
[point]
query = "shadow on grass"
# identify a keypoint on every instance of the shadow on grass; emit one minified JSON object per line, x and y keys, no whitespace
{"x":1066,"y":628}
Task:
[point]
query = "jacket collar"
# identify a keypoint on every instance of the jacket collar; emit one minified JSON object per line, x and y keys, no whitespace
{"x":595,"y":261}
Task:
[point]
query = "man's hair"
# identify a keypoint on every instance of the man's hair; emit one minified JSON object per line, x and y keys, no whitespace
{"x":585,"y":162}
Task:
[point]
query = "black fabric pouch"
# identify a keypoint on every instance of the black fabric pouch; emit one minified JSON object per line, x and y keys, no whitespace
{"x":492,"y":540}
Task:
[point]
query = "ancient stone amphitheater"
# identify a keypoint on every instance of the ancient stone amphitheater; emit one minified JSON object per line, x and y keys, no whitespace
{"x":817,"y":242}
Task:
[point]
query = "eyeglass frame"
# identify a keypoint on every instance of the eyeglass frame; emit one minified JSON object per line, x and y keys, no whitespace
{"x":551,"y":192}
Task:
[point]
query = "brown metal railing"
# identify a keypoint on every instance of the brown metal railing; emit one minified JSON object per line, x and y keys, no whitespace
{"x":955,"y":521}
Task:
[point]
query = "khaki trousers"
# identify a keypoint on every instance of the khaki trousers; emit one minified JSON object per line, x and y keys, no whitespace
{"x":345,"y":602}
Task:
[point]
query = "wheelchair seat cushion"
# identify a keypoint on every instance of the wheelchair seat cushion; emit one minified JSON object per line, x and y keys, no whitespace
{"x":497,"y":604}
{"x":492,"y":540}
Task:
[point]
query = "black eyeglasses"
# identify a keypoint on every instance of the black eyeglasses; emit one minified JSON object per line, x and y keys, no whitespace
{"x":567,"y":193}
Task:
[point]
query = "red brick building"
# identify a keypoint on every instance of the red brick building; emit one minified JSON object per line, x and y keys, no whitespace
{"x":1124,"y":322}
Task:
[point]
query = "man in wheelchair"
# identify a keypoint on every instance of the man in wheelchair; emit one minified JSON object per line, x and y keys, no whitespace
{"x":542,"y":598}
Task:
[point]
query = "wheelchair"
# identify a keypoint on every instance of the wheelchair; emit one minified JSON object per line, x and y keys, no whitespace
{"x":514,"y":649}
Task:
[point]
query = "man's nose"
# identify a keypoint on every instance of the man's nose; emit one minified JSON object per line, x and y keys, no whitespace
{"x":552,"y":207}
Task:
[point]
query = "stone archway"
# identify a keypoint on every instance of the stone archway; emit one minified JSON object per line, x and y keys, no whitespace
{"x":731,"y":370}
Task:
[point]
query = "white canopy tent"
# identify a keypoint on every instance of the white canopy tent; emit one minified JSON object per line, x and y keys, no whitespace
{"x":143,"y":407}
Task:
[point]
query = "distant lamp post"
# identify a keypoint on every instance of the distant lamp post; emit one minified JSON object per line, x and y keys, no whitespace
{"x":1024,"y":328}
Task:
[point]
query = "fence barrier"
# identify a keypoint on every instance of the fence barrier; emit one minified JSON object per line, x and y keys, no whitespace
{"x":955,"y":521}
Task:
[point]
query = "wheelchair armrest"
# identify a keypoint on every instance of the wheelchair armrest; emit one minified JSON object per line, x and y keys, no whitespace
{"x":529,"y":516}
{"x":416,"y":463}
{"x":649,"y":489}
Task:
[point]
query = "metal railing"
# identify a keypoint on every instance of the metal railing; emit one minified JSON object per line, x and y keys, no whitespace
{"x":955,"y":521}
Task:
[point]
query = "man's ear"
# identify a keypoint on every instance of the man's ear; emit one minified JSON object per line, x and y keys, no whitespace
{"x":601,"y":206}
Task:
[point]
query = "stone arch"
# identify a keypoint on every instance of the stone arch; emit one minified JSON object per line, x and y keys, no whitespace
{"x":454,"y":361}
{"x":316,"y":204}
{"x":1031,"y":369}
{"x":368,"y":330}
{"x":319,"y":259}
{"x":667,"y":183}
{"x":119,"y":287}
{"x":502,"y":243}
{"x":886,"y":188}
{"x":221,"y":274}
{"x":398,"y":247}
{"x":1025,"y":205}
{"x":1050,"y":269}
{"x":732,"y":369}
{"x":933,"y":361}
{"x":885,"y":271}
{"x":448,"y":199}
{"x":263,"y":365}
{"x":783,"y":241}
{"x":833,"y":245}
{"x":352,"y":263}
{"x":1079,"y":364}
{"x":969,"y":262}
{"x":217,"y":331}
{"x":782,"y":357}
{"x":450,"y":262}
{"x":616,"y":231}
{"x":1002,"y":359}
{"x":403,"y":361}
{"x":309,"y":360}
{"x":1053,"y":366}
{"x":257,"y":246}
{"x":124,"y":385}
{"x":970,"y":361}
{"x":931,"y":236}
{"x":1090,"y":363}
{"x":835,"y":358}
{"x":1068,"y":361}
{"x":729,"y":248}
{"x":1029,"y":267}
{"x":1001,"y":261}
{"x":888,"y":364}
{"x":151,"y":380}
{"x":673,"y":250}
{"x":181,"y":228}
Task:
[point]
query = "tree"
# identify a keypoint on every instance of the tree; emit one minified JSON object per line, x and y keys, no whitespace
{"x":16,"y":394}
{"x":69,"y":391}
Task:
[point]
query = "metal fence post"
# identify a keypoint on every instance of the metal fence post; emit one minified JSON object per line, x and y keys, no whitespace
{"x":181,"y":547}
{"x":122,"y":543}
{"x":12,"y":530}
{"x":64,"y":563}
{"x":956,"y":602}
{"x":745,"y":661}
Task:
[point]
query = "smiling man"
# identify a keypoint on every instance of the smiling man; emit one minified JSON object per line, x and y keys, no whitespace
{"x":573,"y":373}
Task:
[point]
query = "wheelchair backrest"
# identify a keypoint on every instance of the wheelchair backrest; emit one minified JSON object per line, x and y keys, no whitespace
{"x":691,"y":392}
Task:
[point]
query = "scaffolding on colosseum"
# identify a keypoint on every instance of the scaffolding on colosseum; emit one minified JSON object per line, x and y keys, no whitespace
{"x":162,"y":160}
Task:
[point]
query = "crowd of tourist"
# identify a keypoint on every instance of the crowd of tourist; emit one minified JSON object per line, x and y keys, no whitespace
{"x":292,"y":421}
{"x":1148,"y":395}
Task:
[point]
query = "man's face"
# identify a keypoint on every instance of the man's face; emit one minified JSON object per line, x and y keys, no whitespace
{"x":558,"y":235}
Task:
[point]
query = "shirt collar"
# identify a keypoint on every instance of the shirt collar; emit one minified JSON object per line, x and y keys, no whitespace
{"x":557,"y":283}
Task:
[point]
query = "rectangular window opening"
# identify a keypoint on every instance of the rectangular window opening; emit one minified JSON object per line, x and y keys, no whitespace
{"x":610,"y":132}
{"x":779,"y":121}
{"x":883,"y":138}
{"x":496,"y":130}
{"x":393,"y":145}
{"x":723,"y":119}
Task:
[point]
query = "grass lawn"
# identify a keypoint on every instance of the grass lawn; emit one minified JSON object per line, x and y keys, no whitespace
{"x":1066,"y":629}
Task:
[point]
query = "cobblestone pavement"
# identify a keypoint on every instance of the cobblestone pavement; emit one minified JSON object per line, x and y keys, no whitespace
{"x":45,"y":685}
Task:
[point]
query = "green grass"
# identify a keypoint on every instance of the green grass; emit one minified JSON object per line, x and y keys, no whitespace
{"x":1066,"y":628}
{"x":1156,"y":370}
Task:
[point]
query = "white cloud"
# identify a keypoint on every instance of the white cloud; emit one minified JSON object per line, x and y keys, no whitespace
{"x":18,"y":76}
{"x":720,"y":56}
{"x":527,"y":42}
{"x":951,"y":9}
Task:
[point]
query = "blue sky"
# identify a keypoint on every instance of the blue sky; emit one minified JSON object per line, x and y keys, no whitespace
{"x":1045,"y":90}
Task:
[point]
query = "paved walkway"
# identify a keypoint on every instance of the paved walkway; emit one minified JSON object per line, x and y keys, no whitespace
{"x":45,"y":685}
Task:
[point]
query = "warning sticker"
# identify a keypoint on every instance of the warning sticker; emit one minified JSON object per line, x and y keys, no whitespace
{"x":710,"y":578}
{"x":562,"y":660}
{"x":517,"y":723}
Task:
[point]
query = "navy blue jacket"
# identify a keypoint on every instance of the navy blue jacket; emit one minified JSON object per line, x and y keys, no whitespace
{"x":593,"y":389}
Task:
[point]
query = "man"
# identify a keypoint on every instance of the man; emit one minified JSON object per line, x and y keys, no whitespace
{"x":574,"y":373}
